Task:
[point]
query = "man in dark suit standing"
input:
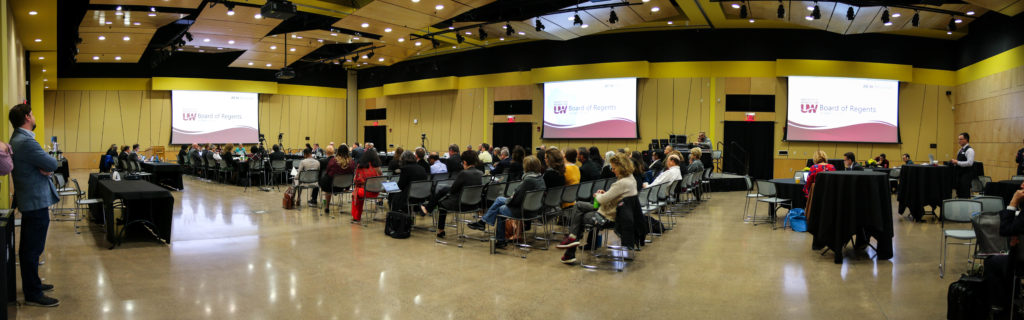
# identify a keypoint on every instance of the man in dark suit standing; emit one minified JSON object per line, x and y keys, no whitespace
{"x":850,"y":162}
{"x":963,"y":166}
{"x":454,"y":162}
{"x":1020,"y":162}
{"x":34,"y":194}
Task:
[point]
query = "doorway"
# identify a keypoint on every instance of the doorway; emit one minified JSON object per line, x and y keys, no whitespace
{"x":378,"y":135}
{"x":513,"y":134}
{"x":749,"y":148}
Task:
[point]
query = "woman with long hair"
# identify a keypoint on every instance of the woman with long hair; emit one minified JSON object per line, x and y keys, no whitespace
{"x":607,"y":204}
{"x":368,"y":167}
{"x":340,"y":163}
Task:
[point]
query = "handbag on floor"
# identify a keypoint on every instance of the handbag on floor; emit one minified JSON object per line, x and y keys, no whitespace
{"x":289,"y":199}
{"x":796,"y":220}
{"x":513,"y":230}
{"x":966,"y":299}
{"x":398,"y":225}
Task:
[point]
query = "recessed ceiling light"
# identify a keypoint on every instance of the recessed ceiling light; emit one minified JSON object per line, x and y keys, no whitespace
{"x":970,"y":13}
{"x":887,"y":23}
{"x":896,"y":14}
{"x":355,"y":38}
{"x":118,"y":8}
{"x":809,"y":18}
{"x":949,"y":32}
{"x":292,"y":49}
{"x":136,"y":23}
{"x":126,"y":38}
{"x":45,"y":79}
{"x":118,"y":13}
{"x":439,"y":7}
{"x":501,"y":39}
{"x":810,"y":8}
{"x":646,"y":1}
{"x":415,"y":1}
{"x":655,"y":9}
{"x":101,"y":38}
{"x":294,"y":35}
{"x":42,"y":58}
{"x":451,"y":28}
{"x":181,"y":49}
{"x":670,"y":22}
{"x":268,"y":65}
{"x":751,"y":20}
{"x":197,"y":47}
{"x":469,"y":33}
{"x":273,"y":47}
{"x":117,"y":58}
{"x":250,"y":63}
{"x":220,"y":48}
{"x":522,"y":33}
{"x":387,"y":29}
{"x":334,"y":34}
{"x":39,"y":40}
{"x":151,"y":14}
{"x":454,"y":47}
{"x":46,"y":87}
{"x":152,"y":9}
{"x":206,"y":40}
{"x":201,"y":50}
{"x":32,"y":13}
{"x":44,"y":70}
{"x":298,"y":37}
{"x":381,"y":59}
{"x":110,"y":22}
{"x":958,"y":20}
{"x":365,"y":25}
{"x":257,"y":16}
{"x":364,"y":57}
{"x":584,"y":26}
{"x":735,"y":5}
{"x":231,"y":41}
{"x":418,"y":43}
{"x":570,"y":19}
{"x":401,"y":39}
{"x":95,"y":57}
{"x":231,"y":12}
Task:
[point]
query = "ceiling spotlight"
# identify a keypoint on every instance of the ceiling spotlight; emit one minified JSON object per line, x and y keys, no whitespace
{"x":949,"y":32}
{"x":101,"y":38}
{"x":32,"y":13}
{"x":268,"y":65}
{"x":810,"y":8}
{"x":669,"y":23}
{"x":751,"y":20}
{"x":817,"y":12}
{"x":117,"y":58}
{"x":126,"y":38}
{"x":152,"y":9}
{"x":916,"y":19}
{"x":459,"y":38}
{"x":365,"y":57}
{"x":743,"y":11}
{"x":781,"y":12}
{"x":613,"y":18}
{"x":508,"y":29}
{"x":735,"y":5}
{"x":439,"y":7}
{"x":380,"y":60}
{"x":970,"y":13}
{"x":118,"y":8}
{"x":387,"y":29}
{"x":95,"y":57}
{"x":39,"y":40}
{"x":584,"y":26}
{"x":231,"y":41}
{"x":576,"y":20}
{"x":355,"y":58}
{"x":501,"y":39}
{"x":896,"y":14}
{"x":151,"y":14}
{"x":809,"y":18}
{"x":231,"y":12}
{"x":850,"y":14}
{"x":368,"y":55}
{"x":188,"y":35}
{"x":206,"y":40}
{"x":257,"y":16}
{"x":958,"y":20}
{"x":273,"y":47}
{"x":401,"y":39}
{"x":538,"y":26}
{"x":365,"y":25}
{"x":655,"y":9}
{"x":250,"y":63}
{"x":292,"y":49}
{"x":480,"y":32}
{"x":418,"y":43}
{"x":435,"y":43}
{"x":952,"y":24}
{"x":885,"y":16}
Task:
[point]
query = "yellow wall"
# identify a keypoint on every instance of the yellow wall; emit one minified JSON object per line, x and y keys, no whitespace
{"x":991,"y":109}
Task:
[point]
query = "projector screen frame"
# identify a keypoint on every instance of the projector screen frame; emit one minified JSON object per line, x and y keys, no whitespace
{"x":899,"y":131}
{"x":258,"y":124}
{"x":636,"y":112}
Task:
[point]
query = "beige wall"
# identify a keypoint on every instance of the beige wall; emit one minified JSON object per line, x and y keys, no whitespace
{"x":991,"y":109}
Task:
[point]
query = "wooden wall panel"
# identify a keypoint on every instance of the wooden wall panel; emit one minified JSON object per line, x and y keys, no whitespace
{"x":991,"y":109}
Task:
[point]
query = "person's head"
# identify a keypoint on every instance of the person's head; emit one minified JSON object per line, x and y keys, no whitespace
{"x":882,"y":156}
{"x":453,"y":149}
{"x":329,"y":151}
{"x":21,"y":117}
{"x":820,"y":157}
{"x":701,"y":135}
{"x":421,"y":154}
{"x":276,"y":148}
{"x":135,"y":147}
{"x":658,"y":155}
{"x":963,"y":139}
{"x":398,"y":152}
{"x":570,"y":155}
{"x":694,"y":153}
{"x":621,"y":165}
{"x":485,"y":147}
{"x":504,"y":154}
{"x":434,"y":158}
{"x":408,"y":157}
{"x":369,"y":158}
{"x":849,"y":158}
{"x":554,"y":160}
{"x":531,"y":164}
{"x":307,"y":152}
{"x":672,"y":161}
{"x":309,"y":146}
{"x":584,"y":154}
{"x":114,"y":147}
{"x":608,"y":156}
{"x":369,"y":145}
{"x":356,"y":144}
{"x":669,"y":149}
{"x":316,"y":145}
{"x":470,"y":158}
{"x":906,"y":157}
{"x":124,"y":148}
{"x":194,"y":146}
{"x":595,"y":154}
{"x":638,"y":162}
{"x":518,"y":154}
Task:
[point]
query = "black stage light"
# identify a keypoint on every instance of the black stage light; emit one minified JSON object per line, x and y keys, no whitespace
{"x":743,"y":11}
{"x":952,"y":24}
{"x":885,"y":16}
{"x":850,"y":14}
{"x":538,"y":25}
{"x":781,"y":12}
{"x":369,"y":55}
{"x":916,"y":20}
{"x":508,"y":29}
{"x":816,"y":13}
{"x":435,"y":43}
{"x":613,"y":18}
{"x":459,"y":38}
{"x":188,"y":35}
{"x":576,"y":20}
{"x":481,"y":33}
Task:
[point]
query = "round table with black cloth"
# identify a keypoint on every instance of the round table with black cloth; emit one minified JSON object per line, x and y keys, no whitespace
{"x":847,"y":203}
{"x":1003,"y":189}
{"x":789,"y":189}
{"x":923,"y":185}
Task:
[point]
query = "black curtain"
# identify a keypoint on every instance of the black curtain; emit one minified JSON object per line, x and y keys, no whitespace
{"x":753,"y":139}
{"x":513,"y":134}
{"x":378,"y":135}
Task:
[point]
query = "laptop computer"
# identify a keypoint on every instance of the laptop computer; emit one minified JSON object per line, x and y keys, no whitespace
{"x":390,"y":187}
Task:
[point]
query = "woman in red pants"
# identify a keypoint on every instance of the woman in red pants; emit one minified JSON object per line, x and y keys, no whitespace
{"x":368,"y":167}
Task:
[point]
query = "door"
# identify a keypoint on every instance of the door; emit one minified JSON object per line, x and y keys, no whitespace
{"x":513,"y":134}
{"x":749,"y":148}
{"x":378,"y":135}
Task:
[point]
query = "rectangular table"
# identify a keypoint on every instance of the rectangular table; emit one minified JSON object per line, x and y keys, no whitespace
{"x":145,"y":203}
{"x":165,"y":173}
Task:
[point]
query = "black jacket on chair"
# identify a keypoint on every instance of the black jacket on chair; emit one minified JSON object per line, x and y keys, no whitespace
{"x":410,"y":172}
{"x":454,"y":164}
{"x":630,"y":223}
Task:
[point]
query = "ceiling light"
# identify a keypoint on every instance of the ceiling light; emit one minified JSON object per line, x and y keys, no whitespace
{"x":136,"y":23}
{"x":39,"y":40}
{"x":298,"y":37}
{"x":521,"y":33}
{"x":401,"y":39}
{"x":887,"y":23}
{"x":118,"y":13}
{"x":380,"y":60}
{"x":365,"y":25}
{"x":885,"y":16}
{"x":45,"y":80}
{"x":570,"y":18}
{"x":613,"y":18}
{"x":415,"y":1}
{"x":735,"y":5}
{"x":453,"y":47}
{"x":810,"y":8}
{"x":44,"y":70}
{"x":646,"y":1}
{"x":469,"y":33}
{"x":257,"y":16}
{"x":126,"y":38}
{"x":670,"y":22}
{"x":220,"y":48}
{"x":273,"y":47}
{"x":46,"y":87}
{"x":201,"y":50}
{"x":355,"y":38}
{"x":387,"y":29}
{"x":32,"y":13}
{"x":231,"y":12}
{"x":250,"y":63}
{"x":101,"y":38}
{"x":117,"y":58}
{"x":151,"y":14}
{"x":231,"y":41}
{"x":110,"y":22}
{"x":949,"y":32}
{"x":268,"y":65}
{"x":896,"y":14}
{"x":95,"y":57}
{"x":850,"y":14}
{"x":501,"y":39}
{"x":451,"y":28}
{"x":584,"y":26}
{"x":206,"y":40}
{"x":41,"y":58}
{"x":418,"y":43}
{"x":781,"y":12}
{"x":970,"y":13}
{"x":751,"y":20}
{"x":118,"y":8}
{"x":655,"y":9}
{"x":958,"y":20}
{"x":916,"y":19}
{"x":809,"y":18}
{"x":439,"y":7}
{"x":292,"y":49}
{"x":576,"y":20}
{"x":365,"y":57}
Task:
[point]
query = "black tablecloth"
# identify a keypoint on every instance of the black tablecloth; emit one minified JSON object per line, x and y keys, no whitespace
{"x":1003,"y":189}
{"x":165,"y":173}
{"x":143,"y":201}
{"x":8,"y":282}
{"x":846,"y":202}
{"x":923,"y":185}
{"x":789,"y":189}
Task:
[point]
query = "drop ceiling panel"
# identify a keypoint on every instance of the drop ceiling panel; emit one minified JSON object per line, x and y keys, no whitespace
{"x":242,"y":14}
{"x":387,"y":13}
{"x":191,"y":4}
{"x":450,"y":10}
{"x":229,"y":28}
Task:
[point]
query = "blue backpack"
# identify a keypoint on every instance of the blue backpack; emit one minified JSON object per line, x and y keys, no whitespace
{"x":796,"y":220}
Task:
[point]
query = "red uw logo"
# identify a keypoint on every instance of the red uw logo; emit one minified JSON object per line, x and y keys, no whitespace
{"x":188,"y":116}
{"x":561,"y":109}
{"x":809,"y":108}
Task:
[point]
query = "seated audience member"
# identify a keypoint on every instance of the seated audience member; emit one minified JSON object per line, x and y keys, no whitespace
{"x":638,"y":167}
{"x":396,"y":163}
{"x":554,"y":174}
{"x":229,"y":161}
{"x":999,"y":269}
{"x":211,"y":156}
{"x":123,"y":158}
{"x":446,"y":199}
{"x":882,"y":161}
{"x":339,"y":162}
{"x":669,"y":149}
{"x":454,"y":162}
{"x":410,"y":172}
{"x":421,"y":159}
{"x":436,"y":165}
{"x":606,"y":169}
{"x":695,"y":164}
{"x":850,"y":162}
{"x":112,"y":152}
{"x":570,"y":157}
{"x":317,"y":151}
{"x":572,"y":172}
{"x":503,"y":162}
{"x":906,"y":159}
{"x":134,"y":155}
{"x":607,"y":204}
{"x":277,"y":154}
{"x":671,"y":172}
{"x":194,"y":154}
{"x":503,"y":206}
{"x":485,"y":154}
{"x":368,"y":167}
{"x":595,"y":155}
{"x":657,"y":165}
{"x":515,"y":167}
{"x":820,"y":164}
{"x":357,"y":151}
{"x":589,"y":170}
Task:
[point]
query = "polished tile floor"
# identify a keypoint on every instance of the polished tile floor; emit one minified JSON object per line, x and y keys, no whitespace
{"x":239,"y":255}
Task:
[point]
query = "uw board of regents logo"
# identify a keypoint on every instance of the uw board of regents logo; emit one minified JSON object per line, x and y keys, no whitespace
{"x":189,"y":115}
{"x":561,"y":107}
{"x":809,"y":106}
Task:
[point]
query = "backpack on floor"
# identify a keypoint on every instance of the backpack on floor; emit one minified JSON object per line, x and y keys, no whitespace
{"x":398,"y":225}
{"x":966,"y":299}
{"x":656,"y":225}
{"x":289,"y":199}
{"x":796,"y":220}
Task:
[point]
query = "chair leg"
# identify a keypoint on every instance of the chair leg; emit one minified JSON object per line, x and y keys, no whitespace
{"x":942,"y":255}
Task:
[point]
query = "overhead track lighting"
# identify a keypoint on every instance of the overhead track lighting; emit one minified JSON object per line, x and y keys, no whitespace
{"x":916,"y":19}
{"x":850,"y":14}
{"x":952,"y":24}
{"x":459,"y":38}
{"x":508,"y":29}
{"x":743,"y":9}
{"x":481,"y":33}
{"x":816,"y":13}
{"x":613,"y":18}
{"x":885,"y":15}
{"x":369,"y":55}
{"x":538,"y":26}
{"x":576,"y":20}
{"x":435,"y":43}
{"x":781,"y":12}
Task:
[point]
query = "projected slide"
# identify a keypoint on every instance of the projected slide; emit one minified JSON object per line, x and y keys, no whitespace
{"x":588,"y":109}
{"x":843,"y":110}
{"x":214,"y":117}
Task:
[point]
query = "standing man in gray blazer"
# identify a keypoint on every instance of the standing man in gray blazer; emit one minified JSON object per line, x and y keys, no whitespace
{"x":33,"y":194}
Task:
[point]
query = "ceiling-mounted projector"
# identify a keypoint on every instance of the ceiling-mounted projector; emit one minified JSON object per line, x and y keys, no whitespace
{"x":278,"y":9}
{"x":285,"y":73}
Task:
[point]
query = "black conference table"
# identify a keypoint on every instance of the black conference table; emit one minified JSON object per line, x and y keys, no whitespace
{"x":8,"y":282}
{"x":1003,"y":189}
{"x":789,"y":189}
{"x":846,"y":203}
{"x":165,"y":173}
{"x":145,"y":203}
{"x":923,"y":185}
